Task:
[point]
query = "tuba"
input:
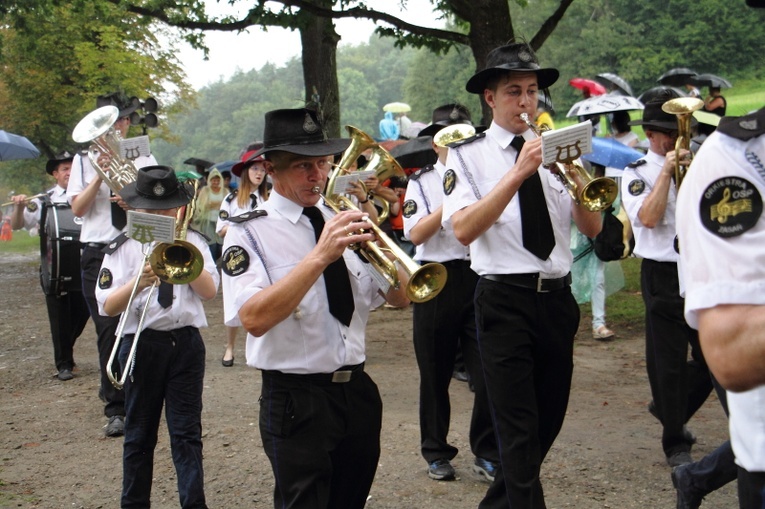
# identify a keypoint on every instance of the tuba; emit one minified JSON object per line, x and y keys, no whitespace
{"x":97,"y":128}
{"x":177,"y":263}
{"x":425,"y":281}
{"x":683,"y":108}
{"x":596,"y":194}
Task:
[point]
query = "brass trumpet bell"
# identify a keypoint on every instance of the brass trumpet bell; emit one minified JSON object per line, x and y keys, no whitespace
{"x":177,"y":263}
{"x":682,"y":108}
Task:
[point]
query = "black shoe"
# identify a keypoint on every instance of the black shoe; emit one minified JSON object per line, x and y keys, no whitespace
{"x":460,"y":376}
{"x":116,"y":426}
{"x":65,"y":374}
{"x":679,"y":458}
{"x":485,"y":468}
{"x":687,"y":496}
{"x":227,"y":363}
{"x":441,"y":470}
{"x":688,"y":435}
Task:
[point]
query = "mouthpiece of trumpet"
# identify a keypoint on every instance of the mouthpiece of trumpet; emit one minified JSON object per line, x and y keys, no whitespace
{"x":316,"y":189}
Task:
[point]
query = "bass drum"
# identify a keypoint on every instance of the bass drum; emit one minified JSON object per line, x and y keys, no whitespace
{"x":60,"y":249}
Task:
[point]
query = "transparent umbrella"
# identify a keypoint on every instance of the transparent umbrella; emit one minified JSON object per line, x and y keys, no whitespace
{"x":604,"y":104}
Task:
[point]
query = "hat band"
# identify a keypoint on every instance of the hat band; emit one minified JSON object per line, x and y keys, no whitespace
{"x":519,"y":66}
{"x":303,"y":140}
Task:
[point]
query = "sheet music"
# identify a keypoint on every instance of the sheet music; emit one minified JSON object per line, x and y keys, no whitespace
{"x":566,"y":144}
{"x":145,"y":227}
{"x":133,"y":148}
{"x":343,"y":181}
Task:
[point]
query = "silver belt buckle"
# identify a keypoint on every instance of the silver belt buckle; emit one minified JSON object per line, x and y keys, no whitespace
{"x":341,"y":377}
{"x":539,"y":284}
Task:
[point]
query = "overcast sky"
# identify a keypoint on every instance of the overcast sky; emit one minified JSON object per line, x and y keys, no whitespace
{"x":252,"y":49}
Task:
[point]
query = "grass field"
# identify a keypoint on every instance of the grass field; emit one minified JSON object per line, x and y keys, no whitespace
{"x":21,"y":243}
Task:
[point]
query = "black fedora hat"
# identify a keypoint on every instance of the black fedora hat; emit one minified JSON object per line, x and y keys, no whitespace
{"x":120,"y":100}
{"x":62,"y":157}
{"x":654,"y":116}
{"x":448,"y":114}
{"x":156,"y":188}
{"x":298,"y":131}
{"x":517,"y":57}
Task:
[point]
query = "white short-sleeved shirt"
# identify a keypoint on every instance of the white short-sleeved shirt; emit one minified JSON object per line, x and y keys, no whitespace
{"x":722,"y":233}
{"x":97,"y":221}
{"x":476,"y":167}
{"x":424,"y":194}
{"x":121,"y":266}
{"x":258,"y":253}
{"x":33,"y":210}
{"x":657,"y":243}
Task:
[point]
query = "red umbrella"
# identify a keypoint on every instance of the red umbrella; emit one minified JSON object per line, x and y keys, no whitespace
{"x":584,"y":84}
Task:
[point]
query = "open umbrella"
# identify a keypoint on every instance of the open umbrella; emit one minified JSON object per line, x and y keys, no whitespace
{"x":604,"y":104}
{"x":710,"y":80}
{"x":610,"y":153}
{"x":13,"y":146}
{"x":397,"y":107}
{"x":677,"y":77}
{"x":615,"y":82}
{"x":415,"y":153}
{"x":594,"y":87}
{"x":653,"y":93}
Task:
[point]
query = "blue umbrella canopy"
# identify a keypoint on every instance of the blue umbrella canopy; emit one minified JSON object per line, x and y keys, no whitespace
{"x":610,"y":153}
{"x":13,"y":146}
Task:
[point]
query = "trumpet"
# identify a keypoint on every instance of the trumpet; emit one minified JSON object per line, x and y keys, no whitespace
{"x":177,"y":263}
{"x":596,"y":194}
{"x":97,"y":128}
{"x":683,"y":108}
{"x":425,"y":281}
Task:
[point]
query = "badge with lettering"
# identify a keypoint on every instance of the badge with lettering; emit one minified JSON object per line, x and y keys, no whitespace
{"x":410,"y":208}
{"x":450,"y":179}
{"x":636,"y":187}
{"x":223,"y":214}
{"x":235,"y":261}
{"x":105,"y":279}
{"x":32,"y":206}
{"x":730,"y":206}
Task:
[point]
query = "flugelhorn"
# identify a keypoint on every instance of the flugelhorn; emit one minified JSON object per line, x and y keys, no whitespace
{"x":597,"y":193}
{"x":682,"y":108}
{"x":97,"y":128}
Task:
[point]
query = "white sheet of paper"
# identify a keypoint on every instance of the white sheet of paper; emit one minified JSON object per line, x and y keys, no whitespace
{"x":132,"y":148}
{"x":342,"y":181}
{"x":567,"y":143}
{"x":145,"y":227}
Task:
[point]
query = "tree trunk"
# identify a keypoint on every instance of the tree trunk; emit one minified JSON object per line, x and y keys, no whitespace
{"x":319,"y":50}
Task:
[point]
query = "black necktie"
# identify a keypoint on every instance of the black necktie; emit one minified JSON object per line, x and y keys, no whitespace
{"x":119,"y":217}
{"x":538,"y":237}
{"x":336,"y":280}
{"x":165,"y":294}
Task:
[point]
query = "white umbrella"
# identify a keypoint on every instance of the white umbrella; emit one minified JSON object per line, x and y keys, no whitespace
{"x":397,"y":107}
{"x":604,"y":104}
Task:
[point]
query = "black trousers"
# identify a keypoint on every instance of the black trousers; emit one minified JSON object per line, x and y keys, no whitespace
{"x":106,"y":327}
{"x":679,"y":386}
{"x":751,"y":489}
{"x":67,"y":315}
{"x":322,"y":438}
{"x":440,"y":325}
{"x":526,"y":343}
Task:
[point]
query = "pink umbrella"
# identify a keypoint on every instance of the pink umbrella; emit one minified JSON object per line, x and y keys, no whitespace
{"x":585,"y":85}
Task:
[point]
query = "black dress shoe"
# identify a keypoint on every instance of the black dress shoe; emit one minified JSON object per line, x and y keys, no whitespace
{"x":65,"y":374}
{"x":687,"y":496}
{"x":227,"y":363}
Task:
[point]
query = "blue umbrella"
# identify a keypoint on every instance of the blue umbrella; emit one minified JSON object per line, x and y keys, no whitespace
{"x":13,"y":146}
{"x":612,"y":154}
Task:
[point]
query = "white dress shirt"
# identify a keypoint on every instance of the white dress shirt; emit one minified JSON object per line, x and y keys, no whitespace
{"x":310,"y":339}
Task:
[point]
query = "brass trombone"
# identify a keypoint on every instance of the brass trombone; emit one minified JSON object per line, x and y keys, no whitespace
{"x":177,"y":263}
{"x":597,"y":193}
{"x":425,"y":281}
{"x":682,"y":108}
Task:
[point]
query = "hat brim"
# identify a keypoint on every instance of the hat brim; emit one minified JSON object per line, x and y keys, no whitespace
{"x":130,"y":196}
{"x":328,"y":147}
{"x":431,"y":130}
{"x":660,"y":124}
{"x":477,"y":83}
{"x":52,"y":164}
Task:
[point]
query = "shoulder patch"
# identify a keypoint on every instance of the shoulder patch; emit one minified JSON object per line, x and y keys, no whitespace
{"x":252,"y":214}
{"x":635,"y":164}
{"x":730,"y":206}
{"x":450,"y":180}
{"x":467,"y":140}
{"x":105,"y":279}
{"x":232,"y":195}
{"x":32,"y":206}
{"x":744,"y":128}
{"x":223,"y":214}
{"x":116,"y":243}
{"x":636,"y":187}
{"x":235,"y":261}
{"x":410,"y":208}
{"x":422,"y":171}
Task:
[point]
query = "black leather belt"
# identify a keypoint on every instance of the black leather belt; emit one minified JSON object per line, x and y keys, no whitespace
{"x":341,"y":376}
{"x":94,"y":245}
{"x":531,"y":281}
